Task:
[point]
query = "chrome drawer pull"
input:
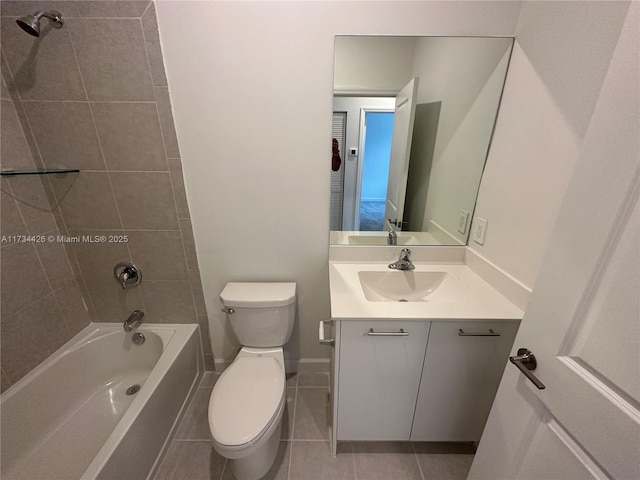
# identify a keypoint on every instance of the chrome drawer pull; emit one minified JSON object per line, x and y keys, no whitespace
{"x":401,"y":333}
{"x":490,"y":333}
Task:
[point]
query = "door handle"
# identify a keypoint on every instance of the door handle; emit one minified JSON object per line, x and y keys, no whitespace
{"x":324,"y":341}
{"x":526,"y":361}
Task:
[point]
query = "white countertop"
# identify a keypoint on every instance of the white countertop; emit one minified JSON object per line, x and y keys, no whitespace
{"x":475,"y":298}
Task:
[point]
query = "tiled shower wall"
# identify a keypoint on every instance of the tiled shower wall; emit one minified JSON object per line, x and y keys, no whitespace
{"x":41,"y":303}
{"x":93,"y":95}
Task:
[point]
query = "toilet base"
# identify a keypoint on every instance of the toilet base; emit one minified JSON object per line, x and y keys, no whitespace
{"x":257,"y":464}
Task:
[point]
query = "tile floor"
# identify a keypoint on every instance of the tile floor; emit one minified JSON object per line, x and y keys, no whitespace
{"x":304,"y":450}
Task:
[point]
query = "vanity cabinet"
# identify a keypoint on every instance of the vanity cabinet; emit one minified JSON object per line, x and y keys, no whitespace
{"x":417,"y":379}
{"x":380,"y":363}
{"x":462,"y":369}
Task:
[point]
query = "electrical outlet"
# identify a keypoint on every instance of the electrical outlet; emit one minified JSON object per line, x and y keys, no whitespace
{"x":462,"y":221}
{"x":479,"y":230}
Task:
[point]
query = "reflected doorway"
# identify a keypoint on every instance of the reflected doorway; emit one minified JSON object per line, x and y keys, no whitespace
{"x":376,"y":133}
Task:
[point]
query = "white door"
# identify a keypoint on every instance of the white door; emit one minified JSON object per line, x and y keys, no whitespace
{"x":405,"y":111}
{"x":583,"y":321}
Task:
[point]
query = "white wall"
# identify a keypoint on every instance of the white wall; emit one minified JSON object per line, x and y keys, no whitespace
{"x":251,"y":86}
{"x":562,"y":53}
{"x":381,"y":65}
{"x":466,"y":75}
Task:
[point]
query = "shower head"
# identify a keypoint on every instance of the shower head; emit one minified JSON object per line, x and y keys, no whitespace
{"x":31,"y":23}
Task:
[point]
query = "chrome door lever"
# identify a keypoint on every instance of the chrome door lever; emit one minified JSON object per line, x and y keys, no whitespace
{"x":526,"y":361}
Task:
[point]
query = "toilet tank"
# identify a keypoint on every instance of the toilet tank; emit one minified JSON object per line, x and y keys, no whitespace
{"x":263,"y":313}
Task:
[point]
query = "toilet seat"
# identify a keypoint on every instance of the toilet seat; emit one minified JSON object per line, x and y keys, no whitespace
{"x":246,"y":400}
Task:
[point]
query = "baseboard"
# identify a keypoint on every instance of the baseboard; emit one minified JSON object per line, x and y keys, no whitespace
{"x":306,"y":365}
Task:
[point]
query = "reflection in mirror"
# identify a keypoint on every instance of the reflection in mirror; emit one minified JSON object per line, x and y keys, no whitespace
{"x":413,"y":119}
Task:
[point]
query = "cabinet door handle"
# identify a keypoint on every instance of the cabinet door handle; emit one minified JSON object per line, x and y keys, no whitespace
{"x":490,"y":333}
{"x":400,"y":333}
{"x":321,"y":338}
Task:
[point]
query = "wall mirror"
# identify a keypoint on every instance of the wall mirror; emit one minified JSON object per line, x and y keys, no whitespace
{"x":412,"y":124}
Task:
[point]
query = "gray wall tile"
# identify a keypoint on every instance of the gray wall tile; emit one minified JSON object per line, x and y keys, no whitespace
{"x":17,"y":8}
{"x":112,"y":303}
{"x":11,"y":222}
{"x":189,"y":243}
{"x":175,"y":167}
{"x":166,"y":121}
{"x":4,"y":91}
{"x":33,"y":203}
{"x":31,"y":336}
{"x":65,"y":134}
{"x":152,"y":40}
{"x":121,"y":60}
{"x":97,"y":260}
{"x":168,"y":302}
{"x":89,"y":203}
{"x":6,"y":381}
{"x":14,"y":150}
{"x":198,"y":295}
{"x":145,"y":200}
{"x":112,"y":58}
{"x":130,"y":136}
{"x":72,"y":307}
{"x":55,"y":262}
{"x":111,"y":8}
{"x":43,"y":68}
{"x":203,"y":321}
{"x":159,"y":254}
{"x":23,"y":280}
{"x":209,"y":363}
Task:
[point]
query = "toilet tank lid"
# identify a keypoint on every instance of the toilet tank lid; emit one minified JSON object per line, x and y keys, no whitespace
{"x":258,"y":294}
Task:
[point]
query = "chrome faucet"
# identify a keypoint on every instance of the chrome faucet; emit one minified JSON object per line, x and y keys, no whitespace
{"x":404,"y":262}
{"x":392,"y":238}
{"x":134,"y":320}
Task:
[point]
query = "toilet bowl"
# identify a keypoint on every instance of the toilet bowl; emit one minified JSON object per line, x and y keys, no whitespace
{"x":248,"y":400}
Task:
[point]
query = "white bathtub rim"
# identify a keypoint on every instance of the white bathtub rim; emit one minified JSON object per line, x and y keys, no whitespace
{"x":171,"y":335}
{"x":91,"y":332}
{"x":182,"y":333}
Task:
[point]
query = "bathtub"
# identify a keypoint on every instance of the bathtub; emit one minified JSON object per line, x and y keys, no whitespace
{"x":71,"y":418}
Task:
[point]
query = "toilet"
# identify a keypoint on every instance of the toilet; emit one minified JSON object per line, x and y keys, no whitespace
{"x":248,"y":400}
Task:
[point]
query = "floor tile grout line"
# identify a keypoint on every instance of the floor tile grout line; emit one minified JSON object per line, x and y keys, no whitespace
{"x":415,"y":454}
{"x":291,"y":434}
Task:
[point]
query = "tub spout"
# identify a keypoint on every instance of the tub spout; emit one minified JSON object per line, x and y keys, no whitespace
{"x":134,"y":320}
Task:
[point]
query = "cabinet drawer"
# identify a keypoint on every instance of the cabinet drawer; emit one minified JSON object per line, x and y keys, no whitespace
{"x":461,"y":374}
{"x":379,"y":377}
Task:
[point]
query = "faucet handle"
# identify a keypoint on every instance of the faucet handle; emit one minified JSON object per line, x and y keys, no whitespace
{"x":127,"y":274}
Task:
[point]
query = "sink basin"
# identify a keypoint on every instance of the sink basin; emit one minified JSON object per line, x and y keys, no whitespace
{"x":381,"y":240}
{"x":400,"y":286}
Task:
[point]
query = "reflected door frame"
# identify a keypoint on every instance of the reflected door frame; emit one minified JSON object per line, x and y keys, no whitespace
{"x":353,"y":105}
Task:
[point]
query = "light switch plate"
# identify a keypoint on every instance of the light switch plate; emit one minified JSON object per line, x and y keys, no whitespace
{"x":479,"y":230}
{"x":462,"y":221}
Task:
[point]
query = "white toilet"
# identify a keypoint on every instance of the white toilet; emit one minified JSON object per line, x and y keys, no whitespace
{"x":248,"y":400}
